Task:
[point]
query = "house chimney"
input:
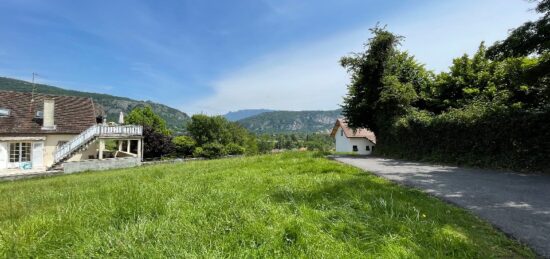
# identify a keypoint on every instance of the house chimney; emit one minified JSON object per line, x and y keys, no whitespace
{"x":121,"y":118}
{"x":49,"y":110}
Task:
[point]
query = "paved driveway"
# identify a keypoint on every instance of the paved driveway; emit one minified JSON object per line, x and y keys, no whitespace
{"x":518,"y":204}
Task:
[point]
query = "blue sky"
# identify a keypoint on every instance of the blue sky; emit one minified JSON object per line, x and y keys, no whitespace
{"x":216,"y":56}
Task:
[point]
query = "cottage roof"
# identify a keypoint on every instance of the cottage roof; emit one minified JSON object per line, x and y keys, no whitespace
{"x":350,"y":133}
{"x":72,"y":115}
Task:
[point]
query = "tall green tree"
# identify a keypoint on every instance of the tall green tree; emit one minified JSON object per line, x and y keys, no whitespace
{"x":157,"y":138}
{"x":490,"y":108}
{"x":145,"y":116}
{"x":367,"y":74}
{"x":532,"y":39}
{"x":384,"y":83}
{"x":210,"y":132}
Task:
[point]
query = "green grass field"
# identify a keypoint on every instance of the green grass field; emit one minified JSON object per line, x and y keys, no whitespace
{"x":285,"y":205}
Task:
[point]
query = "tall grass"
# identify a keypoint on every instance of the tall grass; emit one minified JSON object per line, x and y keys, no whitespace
{"x":285,"y":205}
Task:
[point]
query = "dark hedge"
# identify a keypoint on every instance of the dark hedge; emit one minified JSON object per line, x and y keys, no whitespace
{"x":517,"y":140}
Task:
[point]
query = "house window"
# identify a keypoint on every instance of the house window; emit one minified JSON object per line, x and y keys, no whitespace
{"x":4,"y":112}
{"x":39,"y":115}
{"x":355,"y":149}
{"x":368,"y":148}
{"x":20,"y":152}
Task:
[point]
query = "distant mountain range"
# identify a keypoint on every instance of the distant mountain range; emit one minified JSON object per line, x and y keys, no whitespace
{"x":256,"y":120}
{"x":291,"y":121}
{"x":112,"y":105}
{"x":243,"y":114}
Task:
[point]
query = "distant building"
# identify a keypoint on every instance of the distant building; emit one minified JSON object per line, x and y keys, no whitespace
{"x":360,"y":141}
{"x":40,"y":131}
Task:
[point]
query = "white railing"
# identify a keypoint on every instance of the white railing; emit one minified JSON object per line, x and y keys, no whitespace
{"x":126,"y":130}
{"x":93,"y":132}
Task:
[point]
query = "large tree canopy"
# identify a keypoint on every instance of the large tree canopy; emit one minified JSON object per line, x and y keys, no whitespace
{"x":490,"y":108}
{"x":216,"y":136}
{"x":383,"y":84}
{"x":532,"y":37}
{"x":145,"y":116}
{"x":156,"y":135}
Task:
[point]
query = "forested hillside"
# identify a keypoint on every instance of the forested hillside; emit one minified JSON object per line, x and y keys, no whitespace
{"x":491,"y":109}
{"x":112,"y":105}
{"x":292,"y":121}
{"x":243,"y":114}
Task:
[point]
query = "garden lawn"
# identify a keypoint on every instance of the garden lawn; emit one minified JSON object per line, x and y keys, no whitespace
{"x":284,"y":205}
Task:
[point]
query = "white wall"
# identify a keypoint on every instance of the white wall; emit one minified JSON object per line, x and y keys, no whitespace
{"x":50,"y":145}
{"x":344,"y":144}
{"x":3,"y":155}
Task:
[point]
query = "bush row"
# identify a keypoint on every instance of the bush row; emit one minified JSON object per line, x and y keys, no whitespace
{"x":476,"y":136}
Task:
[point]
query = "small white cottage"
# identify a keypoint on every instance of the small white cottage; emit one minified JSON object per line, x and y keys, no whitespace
{"x":360,"y":141}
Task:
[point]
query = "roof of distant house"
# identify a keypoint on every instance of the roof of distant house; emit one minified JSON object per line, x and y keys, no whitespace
{"x":350,"y":133}
{"x":72,"y":115}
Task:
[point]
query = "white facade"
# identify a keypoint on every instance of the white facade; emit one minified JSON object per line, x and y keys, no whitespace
{"x":361,"y":146}
{"x":21,"y":152}
{"x":36,"y":152}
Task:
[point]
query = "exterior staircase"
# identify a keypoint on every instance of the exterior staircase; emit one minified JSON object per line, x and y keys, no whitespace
{"x":87,"y":137}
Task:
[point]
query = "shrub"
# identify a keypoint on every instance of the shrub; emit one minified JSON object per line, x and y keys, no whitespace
{"x":197,"y":152}
{"x":212,"y":150}
{"x":315,"y":145}
{"x":216,"y":129}
{"x":156,"y":144}
{"x":184,"y":145}
{"x":476,"y":135}
{"x":234,"y":149}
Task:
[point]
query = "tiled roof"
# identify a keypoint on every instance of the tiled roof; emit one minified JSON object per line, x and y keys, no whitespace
{"x":350,"y":133}
{"x":72,"y":114}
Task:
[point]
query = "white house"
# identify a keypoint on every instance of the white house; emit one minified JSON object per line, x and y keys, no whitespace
{"x":360,"y":141}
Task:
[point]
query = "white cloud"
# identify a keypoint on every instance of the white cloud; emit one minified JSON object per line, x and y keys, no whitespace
{"x":309,"y":76}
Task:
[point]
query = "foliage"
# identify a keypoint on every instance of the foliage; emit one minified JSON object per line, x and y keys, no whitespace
{"x":384,"y":82}
{"x":234,"y":149}
{"x":145,"y":116}
{"x":313,"y":145}
{"x":157,"y":140}
{"x":482,"y":112}
{"x":198,"y":152}
{"x":156,"y":144}
{"x":530,"y":39}
{"x":112,"y":105}
{"x":479,"y":135}
{"x":316,"y":141}
{"x":533,"y":37}
{"x":213,"y":150}
{"x":184,"y":145}
{"x":212,"y":132}
{"x":291,"y":205}
{"x":265,"y":144}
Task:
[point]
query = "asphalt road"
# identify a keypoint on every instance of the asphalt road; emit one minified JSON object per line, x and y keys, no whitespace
{"x":518,"y":204}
